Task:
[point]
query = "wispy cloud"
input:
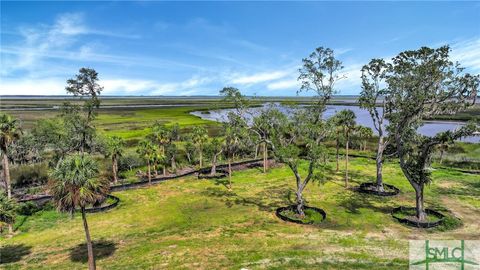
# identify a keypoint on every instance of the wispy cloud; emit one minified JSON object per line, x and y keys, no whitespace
{"x":284,"y":84}
{"x":112,"y":86}
{"x":88,"y":54}
{"x":49,"y":86}
{"x":57,"y":40}
{"x":261,"y":77}
{"x":349,"y":84}
{"x":467,"y":53}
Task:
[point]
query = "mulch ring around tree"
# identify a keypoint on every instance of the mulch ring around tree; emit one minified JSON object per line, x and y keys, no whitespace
{"x":109,"y":203}
{"x":205,"y":174}
{"x":313,"y":215}
{"x":371,"y":188}
{"x":406,"y":215}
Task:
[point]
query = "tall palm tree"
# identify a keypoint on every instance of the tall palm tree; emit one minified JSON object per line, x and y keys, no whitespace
{"x":147,"y":151}
{"x":115,"y":147}
{"x":346,"y":119}
{"x":199,"y":138}
{"x":337,"y":133}
{"x":171,"y":154}
{"x":235,"y":133}
{"x":162,"y":136}
{"x":9,"y":132}
{"x":74,"y":184}
{"x":215,"y":149}
{"x":8,"y":209}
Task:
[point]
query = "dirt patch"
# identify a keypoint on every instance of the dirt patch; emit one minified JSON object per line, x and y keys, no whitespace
{"x":469,"y":216}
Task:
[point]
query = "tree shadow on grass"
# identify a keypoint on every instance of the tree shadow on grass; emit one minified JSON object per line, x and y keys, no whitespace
{"x":267,"y":200}
{"x":20,"y":224}
{"x":353,"y":202}
{"x":101,"y":249}
{"x":222,"y":181}
{"x":13,"y":253}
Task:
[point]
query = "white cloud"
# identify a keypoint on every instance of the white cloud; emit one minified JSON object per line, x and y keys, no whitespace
{"x":261,"y":77}
{"x":57,"y":40}
{"x":284,"y":84}
{"x":349,"y":84}
{"x":468,"y":54}
{"x":50,"y":86}
{"x":112,"y":86}
{"x":69,"y":24}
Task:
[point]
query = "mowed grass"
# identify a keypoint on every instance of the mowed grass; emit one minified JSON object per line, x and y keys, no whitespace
{"x":198,"y":224}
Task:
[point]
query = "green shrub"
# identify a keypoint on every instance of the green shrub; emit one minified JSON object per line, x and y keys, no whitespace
{"x":29,"y":174}
{"x":129,"y":162}
{"x":28,"y":208}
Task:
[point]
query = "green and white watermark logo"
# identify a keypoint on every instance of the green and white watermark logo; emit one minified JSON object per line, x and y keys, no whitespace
{"x":444,"y":254}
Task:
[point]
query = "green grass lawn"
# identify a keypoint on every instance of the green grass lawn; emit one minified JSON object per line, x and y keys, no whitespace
{"x":198,"y":224}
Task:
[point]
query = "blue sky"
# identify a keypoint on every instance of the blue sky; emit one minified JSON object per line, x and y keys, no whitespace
{"x":196,"y":48}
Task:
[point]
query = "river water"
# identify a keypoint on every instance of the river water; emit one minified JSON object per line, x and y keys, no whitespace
{"x":430,"y":128}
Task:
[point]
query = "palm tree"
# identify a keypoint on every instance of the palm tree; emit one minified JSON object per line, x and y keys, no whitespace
{"x":199,"y":138}
{"x":171,"y":154}
{"x":147,"y":151}
{"x":234,"y":133}
{"x":158,"y":158}
{"x":338,"y":129}
{"x":74,"y":184}
{"x":346,"y":119}
{"x":364,"y":133}
{"x":215,"y":149}
{"x":9,"y":132}
{"x":8,"y":209}
{"x":190,"y":150}
{"x":115,"y":147}
{"x":162,"y":136}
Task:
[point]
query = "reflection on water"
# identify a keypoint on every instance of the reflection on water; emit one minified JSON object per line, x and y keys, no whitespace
{"x":430,"y":128}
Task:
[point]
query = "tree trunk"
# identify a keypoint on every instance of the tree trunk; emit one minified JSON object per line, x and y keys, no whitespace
{"x":229,"y":174}
{"x":379,"y":163}
{"x":265,"y":157}
{"x":149,"y":174}
{"x":420,"y":210}
{"x":6,"y":171}
{"x":214,"y":165}
{"x":346,"y":162}
{"x":10,"y":229}
{"x":164,"y":170}
{"x":174,"y":165}
{"x":300,"y":204}
{"x":201,"y":158}
{"x":256,"y":151}
{"x":91,"y":259}
{"x":114,"y":170}
{"x":441,"y":156}
{"x":337,"y":146}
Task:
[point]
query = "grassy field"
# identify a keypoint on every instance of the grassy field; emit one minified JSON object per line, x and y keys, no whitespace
{"x":128,"y":123}
{"x":198,"y":224}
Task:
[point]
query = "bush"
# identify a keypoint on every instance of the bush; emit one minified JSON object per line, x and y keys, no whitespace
{"x":28,"y":208}
{"x":29,"y":175}
{"x":129,"y":162}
